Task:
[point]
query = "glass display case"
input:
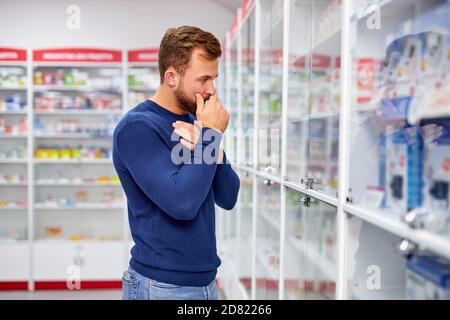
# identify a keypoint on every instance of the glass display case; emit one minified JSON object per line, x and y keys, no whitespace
{"x":248,"y":90}
{"x":267,"y":239}
{"x":400,"y":111}
{"x":245,"y":215}
{"x":270,"y":86}
{"x":366,"y":89}
{"x":311,"y":249}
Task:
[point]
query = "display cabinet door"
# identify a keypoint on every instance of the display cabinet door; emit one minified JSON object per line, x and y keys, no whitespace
{"x":299,"y":91}
{"x":246,"y":127}
{"x":324,"y":108}
{"x":268,"y":224}
{"x":270,"y":92}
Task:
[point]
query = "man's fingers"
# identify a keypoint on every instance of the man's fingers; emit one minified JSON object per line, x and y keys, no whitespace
{"x":185,"y":134}
{"x":187,"y":144}
{"x":200,"y":102}
{"x":181,"y":124}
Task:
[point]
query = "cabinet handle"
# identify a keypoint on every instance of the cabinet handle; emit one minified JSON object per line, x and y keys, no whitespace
{"x":415,"y":219}
{"x":407,"y":248}
{"x":305,"y":201}
{"x":308,"y":182}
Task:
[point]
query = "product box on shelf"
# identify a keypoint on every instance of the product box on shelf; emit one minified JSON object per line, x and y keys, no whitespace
{"x":401,"y":157}
{"x":12,"y":77}
{"x":13,"y":102}
{"x":428,"y":278}
{"x":402,"y":64}
{"x":437,"y":179}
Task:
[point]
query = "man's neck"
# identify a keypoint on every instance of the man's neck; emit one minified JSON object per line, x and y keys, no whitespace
{"x":167,"y":100}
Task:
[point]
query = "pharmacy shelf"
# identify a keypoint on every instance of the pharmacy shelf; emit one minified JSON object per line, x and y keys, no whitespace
{"x":73,"y":161}
{"x":70,"y":136}
{"x":13,"y":88}
{"x":390,"y":222}
{"x":75,"y":64}
{"x":14,"y":161}
{"x":78,"y":112}
{"x":326,"y":266}
{"x":13,"y":184}
{"x":13,"y":136}
{"x":270,"y":220}
{"x":9,"y":242}
{"x":77,"y":241}
{"x":12,"y":208}
{"x":272,"y":273}
{"x":143,"y":89}
{"x":68,"y":184}
{"x":291,"y":185}
{"x":39,"y":206}
{"x":74,"y":88}
{"x":12,"y":113}
{"x":267,"y":176}
{"x":315,"y":194}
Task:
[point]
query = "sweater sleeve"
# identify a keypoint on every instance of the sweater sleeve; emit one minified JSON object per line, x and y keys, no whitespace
{"x":179,"y":190}
{"x":226,"y":185}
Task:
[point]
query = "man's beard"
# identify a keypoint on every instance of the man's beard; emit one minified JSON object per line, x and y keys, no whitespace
{"x":188,"y":104}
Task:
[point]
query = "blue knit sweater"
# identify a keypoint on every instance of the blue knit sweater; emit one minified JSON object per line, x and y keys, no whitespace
{"x":171,"y":204}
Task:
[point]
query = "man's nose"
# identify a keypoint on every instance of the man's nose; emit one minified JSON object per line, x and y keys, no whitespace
{"x":210,"y":89}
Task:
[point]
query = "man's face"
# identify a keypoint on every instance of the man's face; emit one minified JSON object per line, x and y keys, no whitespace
{"x":198,"y":78}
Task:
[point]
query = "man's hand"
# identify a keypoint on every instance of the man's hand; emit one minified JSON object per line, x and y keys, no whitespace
{"x":190,"y":133}
{"x":214,"y":115}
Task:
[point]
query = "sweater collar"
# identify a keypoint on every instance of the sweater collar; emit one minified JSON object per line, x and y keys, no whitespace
{"x":168,"y":114}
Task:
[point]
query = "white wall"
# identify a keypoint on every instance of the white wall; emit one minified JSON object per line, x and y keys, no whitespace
{"x":105,"y":23}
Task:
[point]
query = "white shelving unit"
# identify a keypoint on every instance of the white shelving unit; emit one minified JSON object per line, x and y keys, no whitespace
{"x":71,"y":98}
{"x":329,"y":201}
{"x":14,"y":179}
{"x":78,"y":97}
{"x":143,"y":76}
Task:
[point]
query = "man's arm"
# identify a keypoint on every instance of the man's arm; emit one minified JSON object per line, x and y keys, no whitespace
{"x":226,"y":185}
{"x":226,"y":182}
{"x":179,"y":191}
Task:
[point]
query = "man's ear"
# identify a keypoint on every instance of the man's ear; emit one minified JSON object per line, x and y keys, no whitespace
{"x":171,"y":77}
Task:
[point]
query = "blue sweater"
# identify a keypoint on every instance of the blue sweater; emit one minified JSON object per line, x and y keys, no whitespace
{"x":170,"y":204}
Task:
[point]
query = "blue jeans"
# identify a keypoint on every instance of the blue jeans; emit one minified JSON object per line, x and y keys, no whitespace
{"x":137,"y":287}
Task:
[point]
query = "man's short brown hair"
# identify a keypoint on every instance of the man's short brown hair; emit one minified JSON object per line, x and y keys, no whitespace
{"x":177,"y":45}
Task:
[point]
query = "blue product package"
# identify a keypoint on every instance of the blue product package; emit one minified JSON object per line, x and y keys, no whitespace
{"x":401,"y":157}
{"x":432,"y":274}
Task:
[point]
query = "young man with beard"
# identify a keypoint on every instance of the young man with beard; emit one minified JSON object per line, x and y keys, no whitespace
{"x":171,"y":202}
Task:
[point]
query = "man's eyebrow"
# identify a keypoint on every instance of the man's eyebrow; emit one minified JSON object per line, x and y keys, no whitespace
{"x":208,"y":77}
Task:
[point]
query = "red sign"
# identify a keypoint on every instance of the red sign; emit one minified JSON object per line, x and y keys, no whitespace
{"x":321,"y":61}
{"x":11,"y":54}
{"x":246,"y":5}
{"x":365,"y":71}
{"x":234,"y":25}
{"x":300,"y":62}
{"x":77,"y":55}
{"x":143,"y":55}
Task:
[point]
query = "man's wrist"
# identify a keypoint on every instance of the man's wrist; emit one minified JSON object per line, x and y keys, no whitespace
{"x":209,"y":127}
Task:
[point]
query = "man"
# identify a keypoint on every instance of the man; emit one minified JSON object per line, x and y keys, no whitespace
{"x":171,"y":200}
